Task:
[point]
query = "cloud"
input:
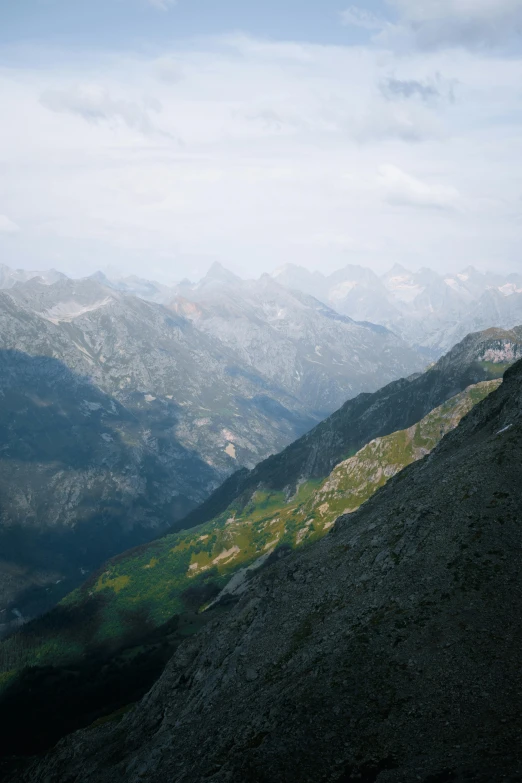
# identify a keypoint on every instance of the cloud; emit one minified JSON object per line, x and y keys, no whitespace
{"x":94,"y":104}
{"x":392,"y":88}
{"x":359,"y":17}
{"x":468,"y":23}
{"x":401,"y":189}
{"x":282,"y":141}
{"x":7,"y":226}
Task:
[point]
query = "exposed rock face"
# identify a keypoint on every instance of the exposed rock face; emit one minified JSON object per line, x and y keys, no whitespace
{"x":81,"y":477}
{"x":388,"y":652}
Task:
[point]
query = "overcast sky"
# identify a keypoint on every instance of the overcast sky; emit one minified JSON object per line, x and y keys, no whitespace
{"x":155,"y":137}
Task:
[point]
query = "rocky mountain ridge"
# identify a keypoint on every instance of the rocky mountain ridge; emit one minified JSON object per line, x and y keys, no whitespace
{"x":390,"y":651}
{"x":139,"y":415}
{"x":162,"y":583}
{"x":430,"y":310}
{"x":399,"y":405}
{"x":291,"y":338}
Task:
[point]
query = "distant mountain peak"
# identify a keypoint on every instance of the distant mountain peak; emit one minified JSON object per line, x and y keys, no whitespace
{"x":398,"y":269}
{"x":220,"y":274}
{"x":286,"y":268}
{"x":100,"y":277}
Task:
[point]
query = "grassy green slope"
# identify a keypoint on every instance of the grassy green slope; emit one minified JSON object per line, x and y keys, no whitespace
{"x":184,"y":572}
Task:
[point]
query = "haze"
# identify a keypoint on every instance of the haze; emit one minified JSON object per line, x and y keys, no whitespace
{"x":155,"y":138}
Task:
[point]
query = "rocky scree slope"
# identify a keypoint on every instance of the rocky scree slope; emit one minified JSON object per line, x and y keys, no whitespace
{"x":389,"y":651}
{"x":479,"y":357}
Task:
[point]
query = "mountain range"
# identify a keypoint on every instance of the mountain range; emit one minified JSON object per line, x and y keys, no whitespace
{"x":120,"y":414}
{"x":387,"y":651}
{"x":158,"y":418}
{"x":429,"y":310}
{"x":288,"y":501}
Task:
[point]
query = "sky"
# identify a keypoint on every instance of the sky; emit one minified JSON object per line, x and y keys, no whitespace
{"x":154,"y":137}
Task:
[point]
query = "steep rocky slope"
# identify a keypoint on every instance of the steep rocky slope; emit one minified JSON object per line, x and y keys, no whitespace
{"x":81,"y":477}
{"x":147,"y":356}
{"x":320,"y":356}
{"x":478,"y":357}
{"x":186,"y":570}
{"x":94,"y":651}
{"x":390,"y":651}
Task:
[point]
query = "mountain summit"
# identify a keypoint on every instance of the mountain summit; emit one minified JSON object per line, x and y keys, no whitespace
{"x":219,"y":274}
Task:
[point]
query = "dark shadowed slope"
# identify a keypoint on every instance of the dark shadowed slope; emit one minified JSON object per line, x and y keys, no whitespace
{"x":105,"y":644}
{"x":390,"y":651}
{"x":80,"y":479}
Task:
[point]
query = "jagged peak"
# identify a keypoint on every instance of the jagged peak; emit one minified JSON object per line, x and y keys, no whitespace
{"x":220,"y":274}
{"x":397,"y":269}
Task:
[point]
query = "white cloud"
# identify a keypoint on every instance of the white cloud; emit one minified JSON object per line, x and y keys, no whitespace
{"x":7,"y":226}
{"x":468,"y":23}
{"x":95,"y":104}
{"x":359,"y":17}
{"x":280,"y":142}
{"x":401,"y":189}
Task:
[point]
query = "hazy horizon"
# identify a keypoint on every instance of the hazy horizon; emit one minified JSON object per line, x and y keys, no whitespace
{"x":115,"y":274}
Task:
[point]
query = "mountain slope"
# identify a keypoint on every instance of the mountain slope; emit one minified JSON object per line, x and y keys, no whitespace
{"x":322,"y":357}
{"x":145,"y":355}
{"x":162,"y":583}
{"x":191,"y":409}
{"x":492,"y":308}
{"x":478,"y":357}
{"x":427,"y":309}
{"x":80,"y":478}
{"x":389,"y":651}
{"x":108,"y":436}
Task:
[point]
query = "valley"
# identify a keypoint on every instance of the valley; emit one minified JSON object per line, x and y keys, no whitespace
{"x":260,"y":391}
{"x":121,"y":418}
{"x":121,"y":415}
{"x":421,"y":572}
{"x":198,"y":572}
